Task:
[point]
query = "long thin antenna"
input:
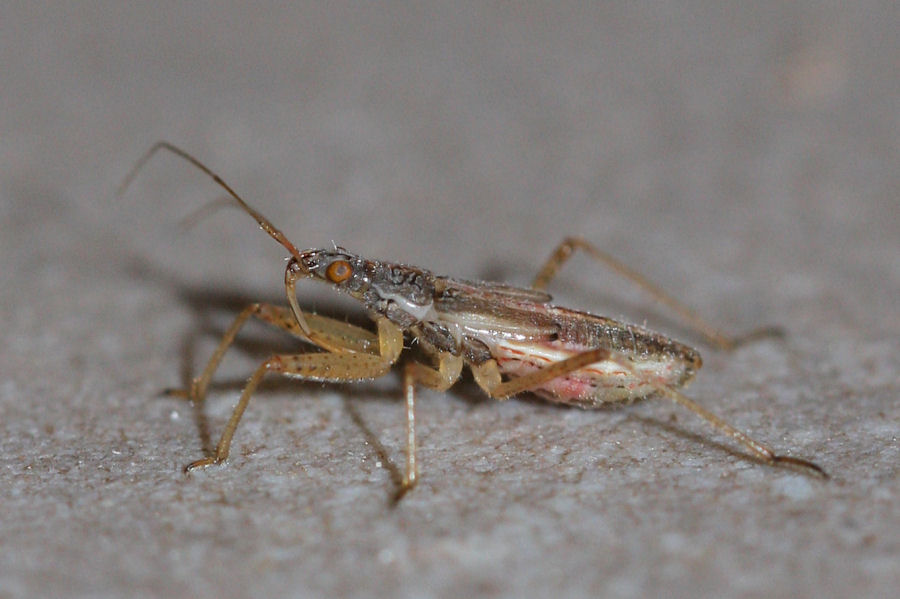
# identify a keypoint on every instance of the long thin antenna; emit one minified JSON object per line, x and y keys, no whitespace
{"x":264,"y":223}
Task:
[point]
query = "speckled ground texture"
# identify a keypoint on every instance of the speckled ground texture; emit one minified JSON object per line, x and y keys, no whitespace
{"x":742,"y":155}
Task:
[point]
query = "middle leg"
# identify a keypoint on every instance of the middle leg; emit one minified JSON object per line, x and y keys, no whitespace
{"x":441,"y":379}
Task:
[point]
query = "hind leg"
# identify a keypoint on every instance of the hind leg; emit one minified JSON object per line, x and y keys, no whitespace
{"x":712,"y":334}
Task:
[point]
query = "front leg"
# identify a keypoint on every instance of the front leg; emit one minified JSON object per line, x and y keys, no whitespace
{"x":327,"y":333}
{"x":331,"y":367}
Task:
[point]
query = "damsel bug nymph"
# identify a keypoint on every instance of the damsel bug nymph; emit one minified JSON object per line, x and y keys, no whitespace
{"x":512,"y":339}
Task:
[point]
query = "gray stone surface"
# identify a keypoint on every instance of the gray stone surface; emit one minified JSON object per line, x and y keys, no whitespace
{"x":743,"y":155}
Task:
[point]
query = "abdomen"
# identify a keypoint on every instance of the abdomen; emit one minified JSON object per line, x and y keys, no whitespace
{"x":642,"y":360}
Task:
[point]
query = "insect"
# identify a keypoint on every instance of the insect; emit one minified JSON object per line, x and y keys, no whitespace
{"x":512,"y":339}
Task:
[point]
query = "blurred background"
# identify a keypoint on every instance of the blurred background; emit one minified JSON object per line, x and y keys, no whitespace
{"x":742,"y":155}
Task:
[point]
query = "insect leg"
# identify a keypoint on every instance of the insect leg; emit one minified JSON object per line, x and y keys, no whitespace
{"x":196,"y":392}
{"x":441,"y":379}
{"x":327,"y":333}
{"x":713,"y":335}
{"x":330,"y":334}
{"x":336,"y":367}
{"x":487,"y":375}
{"x":317,"y":367}
{"x":760,"y":450}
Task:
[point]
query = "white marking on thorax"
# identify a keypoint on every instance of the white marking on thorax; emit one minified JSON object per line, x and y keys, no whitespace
{"x":416,"y":310}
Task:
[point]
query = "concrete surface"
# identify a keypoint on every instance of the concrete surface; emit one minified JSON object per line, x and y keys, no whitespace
{"x":743,"y":155}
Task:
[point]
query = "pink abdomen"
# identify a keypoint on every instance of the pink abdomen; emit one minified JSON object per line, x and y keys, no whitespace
{"x":616,"y":379}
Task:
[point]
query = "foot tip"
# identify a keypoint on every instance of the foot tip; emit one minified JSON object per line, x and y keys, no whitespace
{"x":801,"y":464}
{"x":202,"y":463}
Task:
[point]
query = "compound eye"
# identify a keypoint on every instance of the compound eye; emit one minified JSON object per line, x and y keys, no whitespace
{"x":339,"y":271}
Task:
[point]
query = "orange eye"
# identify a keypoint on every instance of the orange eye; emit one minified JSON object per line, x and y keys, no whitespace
{"x":339,"y":271}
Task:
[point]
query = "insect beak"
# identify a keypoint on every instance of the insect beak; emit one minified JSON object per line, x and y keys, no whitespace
{"x":294,"y":272}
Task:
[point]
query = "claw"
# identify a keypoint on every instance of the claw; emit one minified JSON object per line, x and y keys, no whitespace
{"x":800,"y":464}
{"x":193,"y":394}
{"x":202,"y":463}
{"x":405,"y":487}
